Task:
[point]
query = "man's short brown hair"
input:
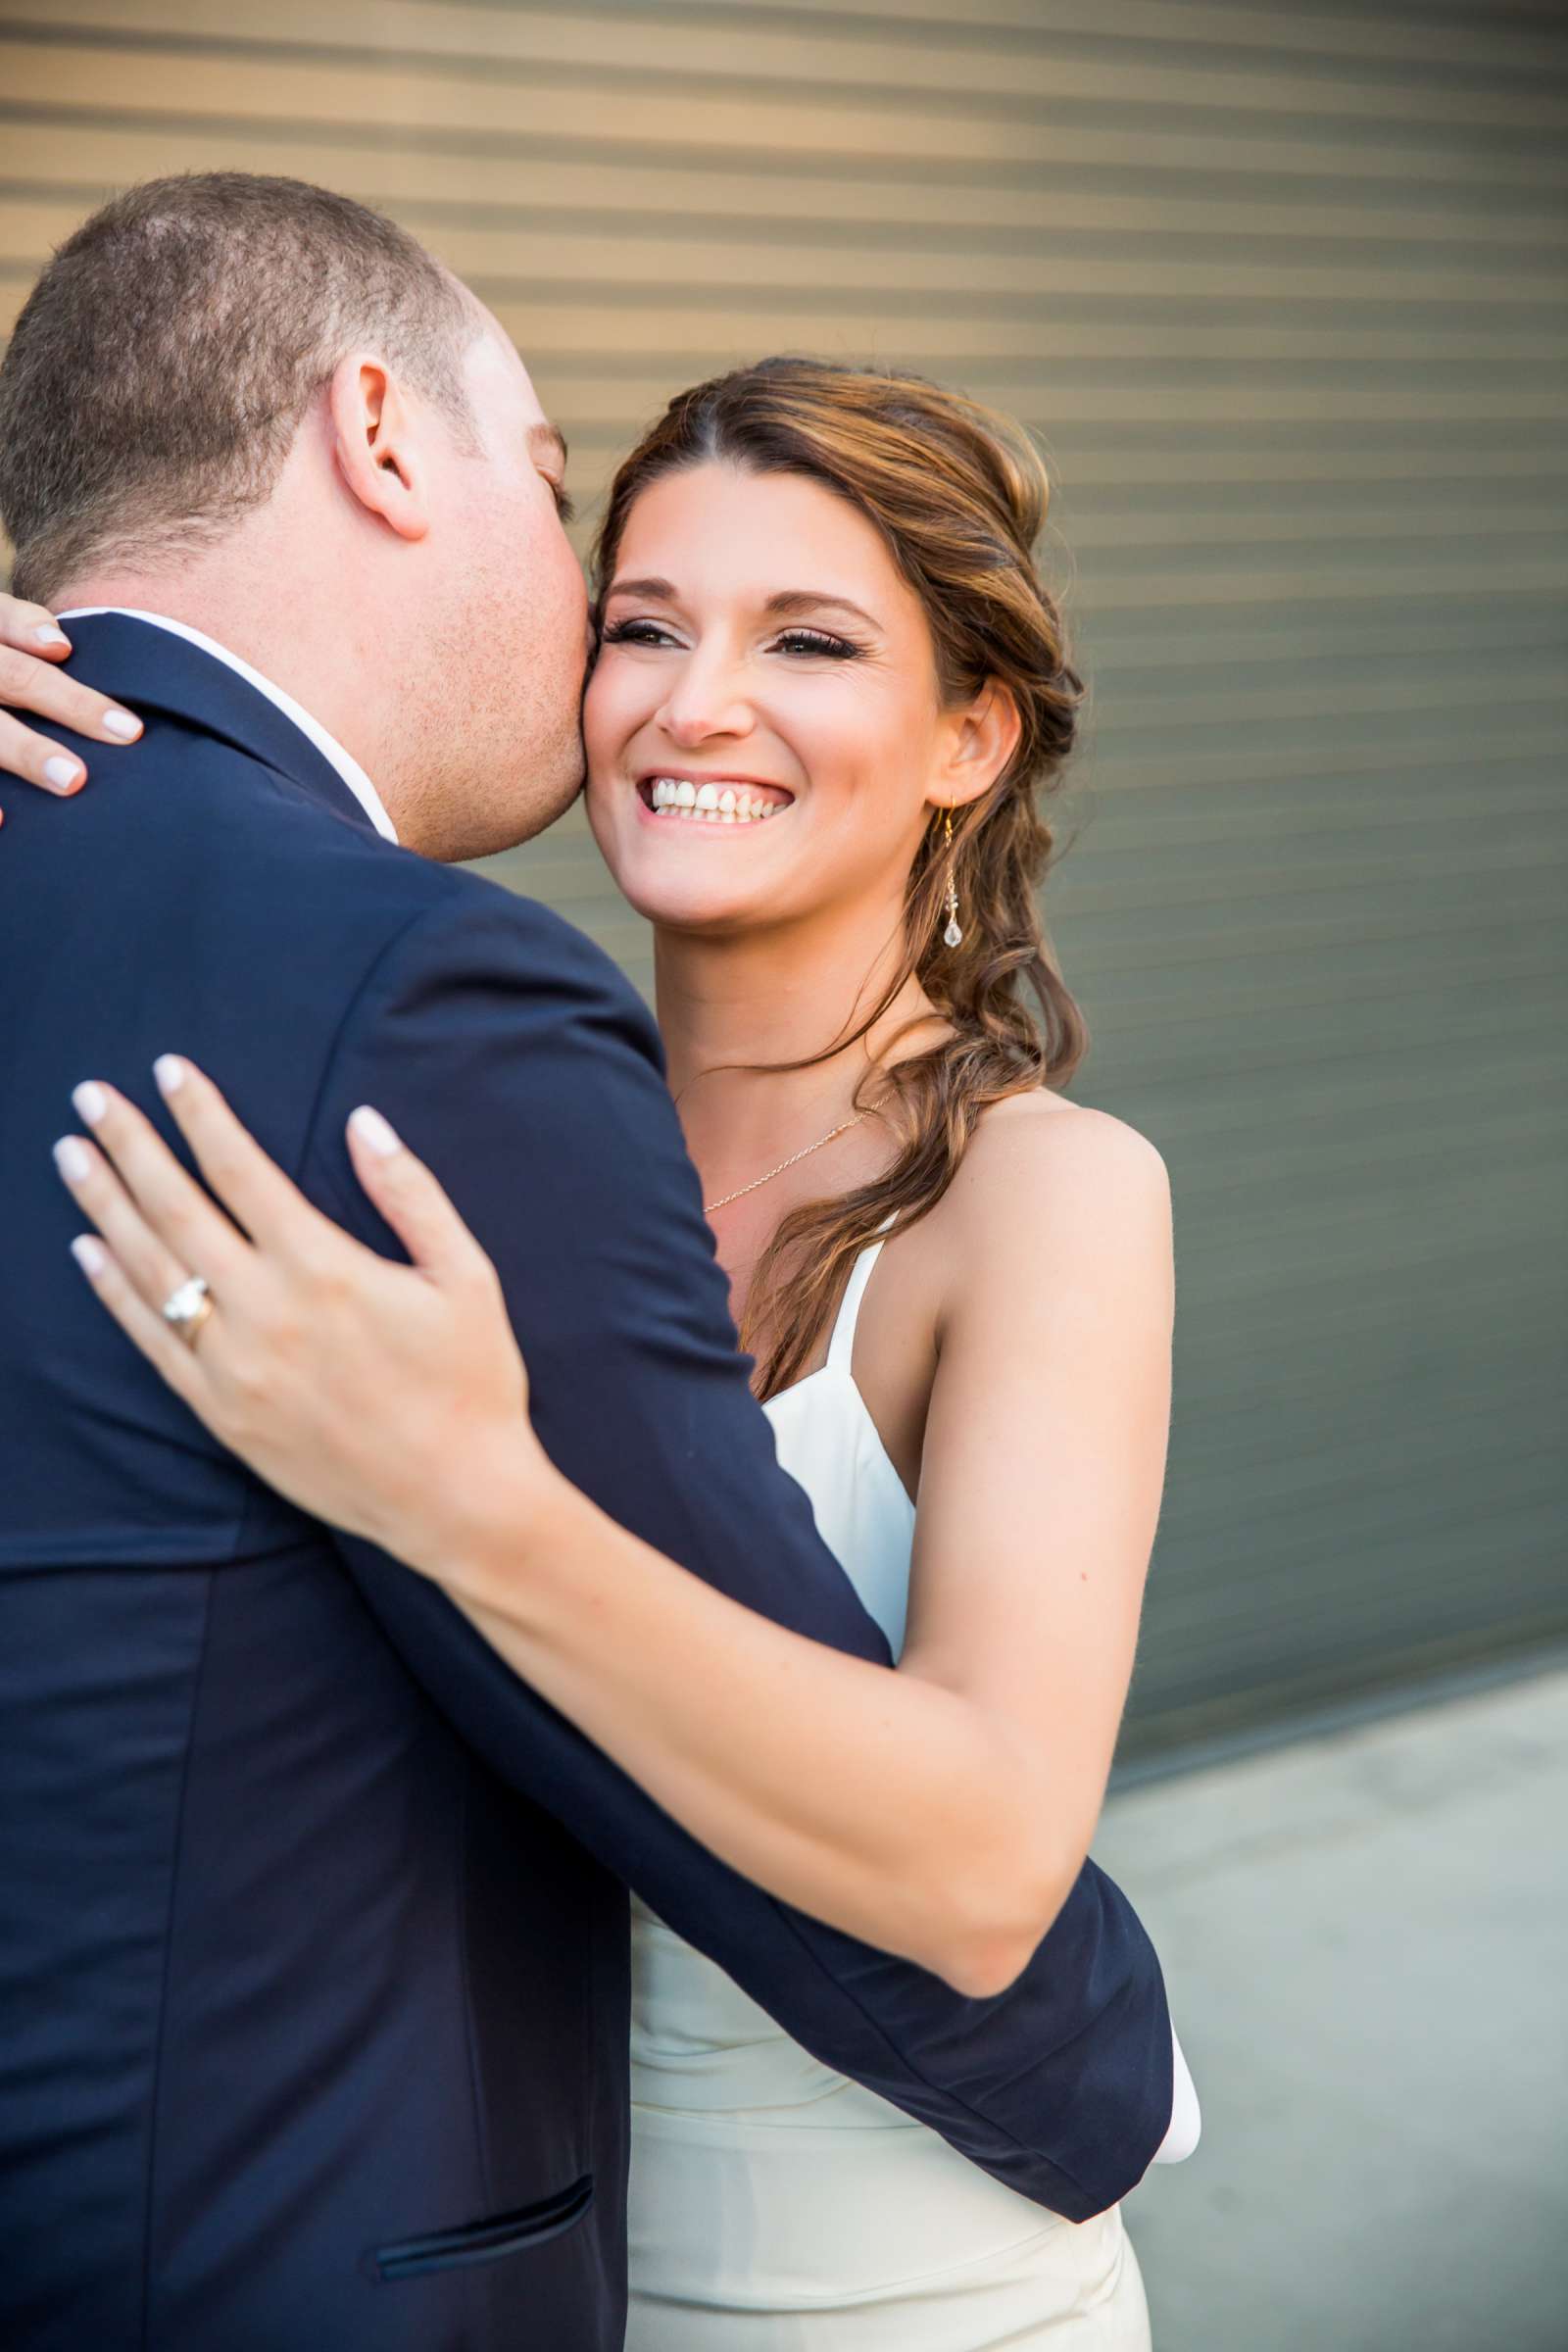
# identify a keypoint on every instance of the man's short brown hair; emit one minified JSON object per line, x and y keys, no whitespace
{"x":163,"y":362}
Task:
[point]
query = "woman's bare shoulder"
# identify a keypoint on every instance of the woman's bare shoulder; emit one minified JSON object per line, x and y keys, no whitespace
{"x":1058,"y":1210}
{"x":1035,"y":1148}
{"x":1044,"y":1185}
{"x":1049,"y":1193}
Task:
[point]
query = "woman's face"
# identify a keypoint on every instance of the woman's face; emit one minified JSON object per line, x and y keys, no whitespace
{"x":763,"y":724}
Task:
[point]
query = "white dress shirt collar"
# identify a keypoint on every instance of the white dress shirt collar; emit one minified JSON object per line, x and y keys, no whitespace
{"x":347,"y":767}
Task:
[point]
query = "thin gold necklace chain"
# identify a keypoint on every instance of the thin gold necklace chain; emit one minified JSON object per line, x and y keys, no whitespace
{"x":758,"y":1182}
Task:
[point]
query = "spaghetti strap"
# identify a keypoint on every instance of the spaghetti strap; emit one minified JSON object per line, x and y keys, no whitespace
{"x":840,"y":1346}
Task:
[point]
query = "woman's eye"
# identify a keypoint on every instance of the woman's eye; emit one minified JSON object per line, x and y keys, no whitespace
{"x":564,"y":504}
{"x":817,"y":641}
{"x":635,"y":632}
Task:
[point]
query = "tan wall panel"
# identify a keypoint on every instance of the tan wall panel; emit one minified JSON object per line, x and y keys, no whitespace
{"x":1004,"y":213}
{"x":1521,"y":40}
{"x":669,"y":52}
{"x":326,"y":91}
{"x":475,"y":107}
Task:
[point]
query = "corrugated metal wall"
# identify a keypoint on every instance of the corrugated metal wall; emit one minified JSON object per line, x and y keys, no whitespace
{"x":1281,"y":287}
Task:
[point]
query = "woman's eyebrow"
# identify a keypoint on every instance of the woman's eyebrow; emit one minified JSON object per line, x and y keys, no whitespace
{"x":660,"y":592}
{"x":790,"y":603}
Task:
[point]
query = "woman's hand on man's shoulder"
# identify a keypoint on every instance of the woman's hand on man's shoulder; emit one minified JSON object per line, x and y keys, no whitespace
{"x":33,"y":645}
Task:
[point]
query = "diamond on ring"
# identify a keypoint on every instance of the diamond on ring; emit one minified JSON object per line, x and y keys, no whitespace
{"x":187,"y":1309}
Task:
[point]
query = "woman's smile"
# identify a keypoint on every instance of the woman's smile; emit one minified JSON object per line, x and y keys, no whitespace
{"x":678,"y":796}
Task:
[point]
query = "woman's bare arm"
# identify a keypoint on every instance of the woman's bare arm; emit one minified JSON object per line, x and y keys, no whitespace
{"x":944,"y":1813}
{"x":941,"y":1812}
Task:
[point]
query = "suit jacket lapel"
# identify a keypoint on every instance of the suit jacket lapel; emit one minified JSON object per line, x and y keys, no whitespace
{"x":151,"y":669}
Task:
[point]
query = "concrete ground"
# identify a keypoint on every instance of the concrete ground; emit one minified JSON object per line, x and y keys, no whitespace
{"x":1364,"y":1939}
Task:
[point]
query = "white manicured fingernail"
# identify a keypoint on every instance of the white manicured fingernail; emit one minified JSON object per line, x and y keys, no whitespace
{"x":92,"y":1102}
{"x":50,"y":636}
{"x":120,"y":723}
{"x":170,"y":1072}
{"x":374,"y":1132}
{"x":62,"y":772}
{"x":70,"y":1158}
{"x":90,"y":1256}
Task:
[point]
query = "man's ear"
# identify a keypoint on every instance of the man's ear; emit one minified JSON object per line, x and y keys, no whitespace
{"x":378,"y":442}
{"x":981,"y":739}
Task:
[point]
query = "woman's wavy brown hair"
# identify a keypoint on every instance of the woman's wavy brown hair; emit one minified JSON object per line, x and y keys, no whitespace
{"x":960,"y":496}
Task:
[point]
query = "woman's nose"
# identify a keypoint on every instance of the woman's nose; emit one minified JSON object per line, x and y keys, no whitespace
{"x":703,"y":703}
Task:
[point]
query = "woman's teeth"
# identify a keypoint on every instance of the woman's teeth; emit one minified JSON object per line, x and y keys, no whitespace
{"x":711,"y":804}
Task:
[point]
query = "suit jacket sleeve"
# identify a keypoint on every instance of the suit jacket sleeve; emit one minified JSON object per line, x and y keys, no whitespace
{"x":521,"y":1066}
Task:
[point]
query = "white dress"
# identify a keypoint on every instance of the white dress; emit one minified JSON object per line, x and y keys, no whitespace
{"x":776,"y":2206}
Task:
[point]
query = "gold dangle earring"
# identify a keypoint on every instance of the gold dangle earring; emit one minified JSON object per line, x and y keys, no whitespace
{"x":952,"y":936}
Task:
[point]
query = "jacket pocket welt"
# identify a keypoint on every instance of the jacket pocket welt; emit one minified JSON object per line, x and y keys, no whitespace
{"x":487,"y":2241}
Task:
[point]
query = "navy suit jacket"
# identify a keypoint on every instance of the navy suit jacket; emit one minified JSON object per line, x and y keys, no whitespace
{"x":314,"y":1972}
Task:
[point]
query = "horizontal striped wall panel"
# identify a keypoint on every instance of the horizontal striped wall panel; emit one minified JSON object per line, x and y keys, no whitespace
{"x":1280,"y":289}
{"x":667,"y":50}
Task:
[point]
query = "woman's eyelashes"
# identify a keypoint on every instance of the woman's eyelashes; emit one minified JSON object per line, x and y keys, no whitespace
{"x":801,"y":644}
{"x":818,"y":641}
{"x":634,"y":632}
